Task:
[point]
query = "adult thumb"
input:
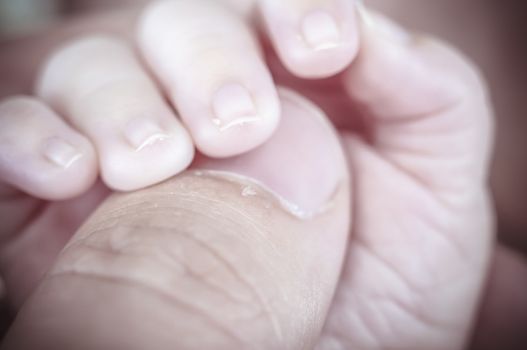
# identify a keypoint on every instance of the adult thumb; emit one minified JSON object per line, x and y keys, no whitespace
{"x":209,"y":259}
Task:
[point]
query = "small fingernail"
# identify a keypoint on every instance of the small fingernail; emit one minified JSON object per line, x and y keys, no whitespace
{"x":60,"y":152}
{"x":382,"y":25}
{"x":233,"y":106}
{"x":141,"y":133}
{"x":320,"y":30}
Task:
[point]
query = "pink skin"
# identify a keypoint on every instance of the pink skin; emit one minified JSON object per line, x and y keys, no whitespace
{"x":214,"y":77}
{"x":424,"y":173}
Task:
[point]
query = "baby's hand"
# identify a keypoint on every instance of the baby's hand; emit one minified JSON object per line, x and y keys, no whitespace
{"x":198,"y":78}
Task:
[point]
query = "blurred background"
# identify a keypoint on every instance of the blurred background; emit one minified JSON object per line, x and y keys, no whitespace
{"x":21,"y":17}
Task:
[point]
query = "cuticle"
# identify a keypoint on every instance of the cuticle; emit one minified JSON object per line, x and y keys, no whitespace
{"x":272,"y":198}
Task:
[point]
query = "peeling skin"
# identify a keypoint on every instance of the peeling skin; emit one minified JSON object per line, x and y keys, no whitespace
{"x":248,"y":191}
{"x":253,"y":187}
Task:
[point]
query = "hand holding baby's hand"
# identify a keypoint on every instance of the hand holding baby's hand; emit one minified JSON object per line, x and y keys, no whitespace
{"x":421,"y":226}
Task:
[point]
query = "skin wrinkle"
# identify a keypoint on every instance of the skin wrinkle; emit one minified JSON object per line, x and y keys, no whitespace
{"x":441,"y":228}
{"x":377,"y":321}
{"x":181,"y":263}
{"x":450,"y":240}
{"x":441,"y":225}
{"x":473,"y":184}
{"x":411,"y":176}
{"x":387,"y":266}
{"x":416,"y":315}
{"x":363,"y":318}
{"x":186,"y":269}
{"x":190,"y":198}
{"x":84,"y":243}
{"x":417,"y":117}
{"x":447,"y":126}
{"x":456,"y":134}
{"x":411,"y":287}
{"x":442,"y":200}
{"x":198,"y":199}
{"x":266,"y":309}
{"x":441,"y":193}
{"x":340,"y":335}
{"x":261,"y":233}
{"x":130,"y":283}
{"x":157,"y":210}
{"x":418,"y":292}
{"x":385,"y":146}
{"x":370,"y":325}
{"x":403,"y":307}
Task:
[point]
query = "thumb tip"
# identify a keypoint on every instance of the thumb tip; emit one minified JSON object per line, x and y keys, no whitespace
{"x":302,"y":163}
